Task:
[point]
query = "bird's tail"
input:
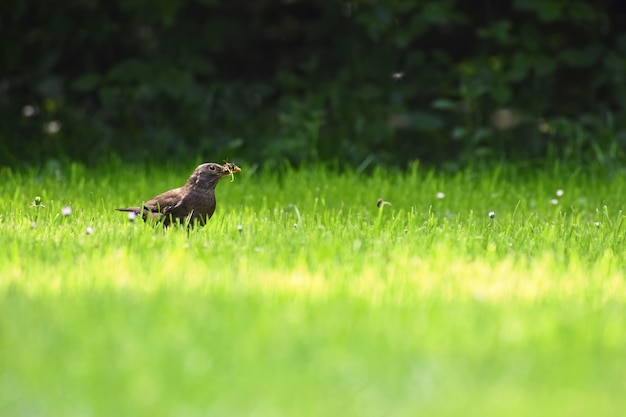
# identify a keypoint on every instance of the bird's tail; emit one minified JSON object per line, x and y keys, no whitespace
{"x":132,"y":209}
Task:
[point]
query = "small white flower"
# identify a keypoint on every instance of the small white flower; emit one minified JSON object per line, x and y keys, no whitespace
{"x":89,"y":230}
{"x":440,"y":195}
{"x":131,"y":216}
{"x":66,"y":210}
{"x":492,"y":215}
{"x":559,"y":193}
{"x":37,"y":203}
{"x":240,"y":227}
{"x":52,"y":127}
{"x":598,"y":224}
{"x":29,"y":110}
{"x":554,"y":201}
{"x":295,"y":225}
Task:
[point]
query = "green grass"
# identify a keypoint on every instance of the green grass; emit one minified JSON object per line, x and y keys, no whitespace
{"x":302,"y":298}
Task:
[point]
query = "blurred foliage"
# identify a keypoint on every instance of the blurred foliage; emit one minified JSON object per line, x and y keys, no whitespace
{"x":384,"y":82}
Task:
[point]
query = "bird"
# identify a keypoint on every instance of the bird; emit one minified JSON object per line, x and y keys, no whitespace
{"x":193,"y":203}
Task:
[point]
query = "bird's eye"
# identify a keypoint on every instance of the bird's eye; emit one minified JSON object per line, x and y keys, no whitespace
{"x":212,"y":167}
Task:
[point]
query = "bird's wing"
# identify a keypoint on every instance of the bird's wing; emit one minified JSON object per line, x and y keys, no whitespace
{"x":165,"y":205}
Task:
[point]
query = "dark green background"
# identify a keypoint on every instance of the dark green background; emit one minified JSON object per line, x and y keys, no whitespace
{"x":308,"y":81}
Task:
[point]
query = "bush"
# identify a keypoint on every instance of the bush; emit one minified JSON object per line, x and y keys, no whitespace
{"x":360,"y":82}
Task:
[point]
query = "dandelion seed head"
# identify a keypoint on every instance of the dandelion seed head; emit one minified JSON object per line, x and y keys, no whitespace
{"x":559,"y":193}
{"x":66,"y":210}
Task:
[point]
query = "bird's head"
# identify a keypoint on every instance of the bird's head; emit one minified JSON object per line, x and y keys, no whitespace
{"x":208,"y":175}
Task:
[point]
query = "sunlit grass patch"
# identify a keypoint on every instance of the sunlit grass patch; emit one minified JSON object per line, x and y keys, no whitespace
{"x":303,"y":296}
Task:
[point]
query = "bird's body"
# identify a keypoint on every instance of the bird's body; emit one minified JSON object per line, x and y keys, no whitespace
{"x":193,"y":203}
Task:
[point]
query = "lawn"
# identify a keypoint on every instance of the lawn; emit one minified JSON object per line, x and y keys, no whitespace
{"x":494,"y":291}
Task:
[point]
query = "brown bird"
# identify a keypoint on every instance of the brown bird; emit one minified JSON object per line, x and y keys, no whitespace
{"x":192,"y":203}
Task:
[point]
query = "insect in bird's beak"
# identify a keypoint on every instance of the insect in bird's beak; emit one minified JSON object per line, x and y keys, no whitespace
{"x":231,"y":168}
